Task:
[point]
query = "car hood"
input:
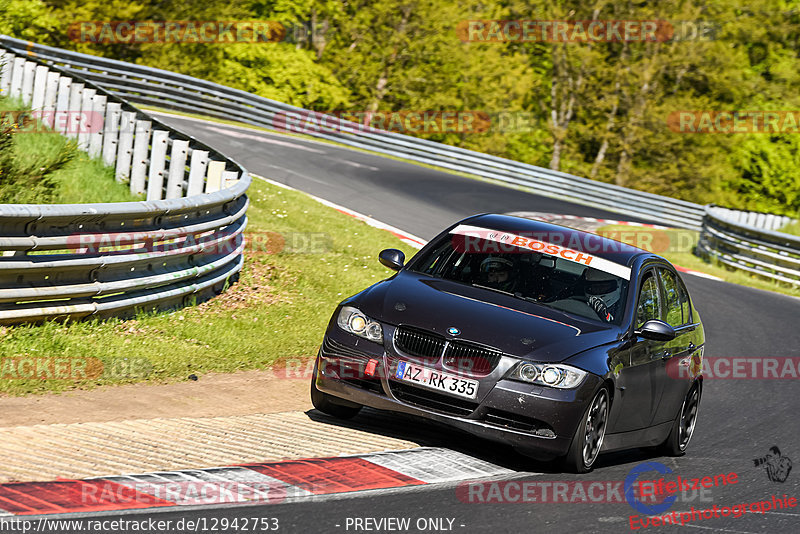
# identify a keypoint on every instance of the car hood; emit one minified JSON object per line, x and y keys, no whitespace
{"x":516,"y":327}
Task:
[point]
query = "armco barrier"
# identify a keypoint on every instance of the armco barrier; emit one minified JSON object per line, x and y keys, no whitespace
{"x":182,"y":244}
{"x":147,"y":85}
{"x":748,"y":241}
{"x":732,"y":241}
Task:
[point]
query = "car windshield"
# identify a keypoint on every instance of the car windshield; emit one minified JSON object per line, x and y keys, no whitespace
{"x":550,"y":280}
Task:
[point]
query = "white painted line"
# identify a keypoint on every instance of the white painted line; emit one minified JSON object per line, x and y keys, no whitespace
{"x":359,"y":165}
{"x":262,"y":139}
{"x":410,"y":239}
{"x":246,"y":128}
{"x":698,"y":273}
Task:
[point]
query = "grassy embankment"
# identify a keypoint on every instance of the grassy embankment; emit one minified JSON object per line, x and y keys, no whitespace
{"x":37,"y":167}
{"x":278,"y":309}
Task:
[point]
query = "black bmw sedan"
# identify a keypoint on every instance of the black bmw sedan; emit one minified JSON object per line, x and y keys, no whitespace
{"x":561,"y":343}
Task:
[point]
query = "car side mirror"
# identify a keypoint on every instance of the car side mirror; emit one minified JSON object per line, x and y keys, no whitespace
{"x":392,"y":258}
{"x":656,"y":330}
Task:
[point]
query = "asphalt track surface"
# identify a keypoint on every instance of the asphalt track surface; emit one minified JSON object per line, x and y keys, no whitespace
{"x":739,"y":419}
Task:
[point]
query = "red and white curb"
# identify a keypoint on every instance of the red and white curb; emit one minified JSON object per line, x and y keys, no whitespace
{"x":261,"y":483}
{"x":410,"y":239}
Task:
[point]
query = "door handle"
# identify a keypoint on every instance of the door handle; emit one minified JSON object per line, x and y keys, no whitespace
{"x":664,"y":355}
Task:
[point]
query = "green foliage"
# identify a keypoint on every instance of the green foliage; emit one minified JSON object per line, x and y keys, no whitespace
{"x":597,"y":109}
{"x":26,"y":19}
{"x":768,"y":174}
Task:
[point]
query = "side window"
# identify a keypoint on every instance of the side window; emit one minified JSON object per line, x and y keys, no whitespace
{"x":649,"y":305}
{"x":672,"y":299}
{"x":686,"y":308}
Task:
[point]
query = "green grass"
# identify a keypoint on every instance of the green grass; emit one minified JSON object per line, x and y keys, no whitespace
{"x":278,"y":309}
{"x":677,"y":246}
{"x":42,"y":167}
{"x":791,"y":228}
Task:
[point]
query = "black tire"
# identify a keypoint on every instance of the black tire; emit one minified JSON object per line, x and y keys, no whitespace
{"x":683,"y":427}
{"x":582,"y":455}
{"x":329,"y":404}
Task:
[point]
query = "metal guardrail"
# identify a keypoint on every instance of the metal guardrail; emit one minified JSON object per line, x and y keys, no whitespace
{"x":151,"y":86}
{"x":184,"y":243}
{"x":747,"y":241}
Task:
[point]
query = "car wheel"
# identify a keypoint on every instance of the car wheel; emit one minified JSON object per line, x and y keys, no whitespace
{"x":588,"y":438}
{"x":683,"y":427}
{"x":328,"y":403}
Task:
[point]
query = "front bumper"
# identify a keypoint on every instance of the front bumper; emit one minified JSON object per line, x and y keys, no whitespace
{"x":536,"y":420}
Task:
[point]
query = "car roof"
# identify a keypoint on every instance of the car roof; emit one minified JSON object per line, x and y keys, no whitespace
{"x":602,"y":247}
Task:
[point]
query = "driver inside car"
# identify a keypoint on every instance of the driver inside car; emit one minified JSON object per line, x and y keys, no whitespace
{"x":498,"y":273}
{"x":602,"y":293}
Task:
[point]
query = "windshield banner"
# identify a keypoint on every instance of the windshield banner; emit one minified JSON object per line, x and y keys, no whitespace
{"x":543,"y":247}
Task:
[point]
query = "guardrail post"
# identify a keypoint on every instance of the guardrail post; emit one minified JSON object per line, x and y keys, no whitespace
{"x":98,"y":123}
{"x":125,"y":147}
{"x":214,"y":178}
{"x":50,"y":95}
{"x":39,"y":87}
{"x":141,"y":144}
{"x":84,"y":117}
{"x":28,"y":73}
{"x":62,"y":117}
{"x":197,"y":172}
{"x":6,"y":66}
{"x":158,"y":158}
{"x":15,"y":89}
{"x":229,"y":178}
{"x":111,"y":133}
{"x":74,"y":122}
{"x":177,"y":168}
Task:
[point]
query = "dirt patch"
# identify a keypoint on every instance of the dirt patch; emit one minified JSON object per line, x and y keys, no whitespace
{"x":212,"y":395}
{"x":256,"y":287}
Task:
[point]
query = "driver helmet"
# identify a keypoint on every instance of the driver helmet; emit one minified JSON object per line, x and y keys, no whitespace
{"x":494,"y":264}
{"x":603,"y":285}
{"x":498,"y":270}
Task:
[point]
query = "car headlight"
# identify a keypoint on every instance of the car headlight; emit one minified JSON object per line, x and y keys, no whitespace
{"x":554,"y":375}
{"x":352,"y":320}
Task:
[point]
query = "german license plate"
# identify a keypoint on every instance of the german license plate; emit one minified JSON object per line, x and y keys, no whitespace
{"x":435,"y":379}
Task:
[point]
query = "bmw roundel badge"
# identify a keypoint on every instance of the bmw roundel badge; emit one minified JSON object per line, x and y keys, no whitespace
{"x":453,"y":331}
